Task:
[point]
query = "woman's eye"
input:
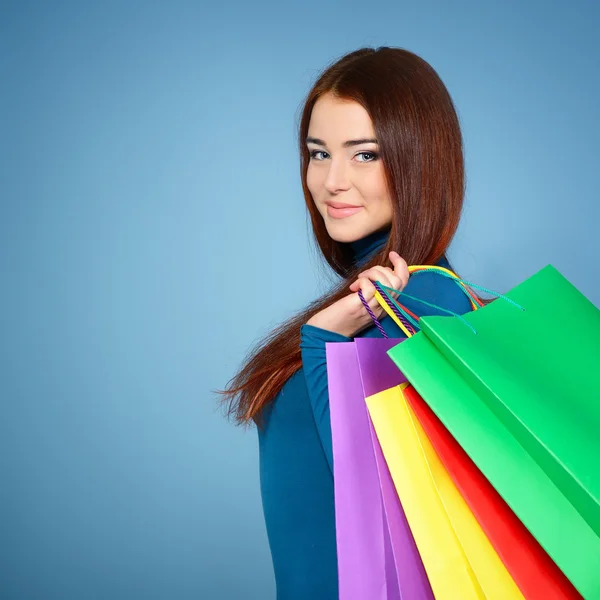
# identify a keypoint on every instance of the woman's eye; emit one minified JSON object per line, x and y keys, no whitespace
{"x":367,"y":156}
{"x":317,"y":154}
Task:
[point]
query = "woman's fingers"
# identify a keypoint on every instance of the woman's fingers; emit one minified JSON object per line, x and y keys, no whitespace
{"x":384,"y":275}
{"x":368,"y":290}
{"x":394,"y":281}
{"x":370,"y":276}
{"x":366,"y":286}
{"x":400,"y":268}
{"x":396,"y":278}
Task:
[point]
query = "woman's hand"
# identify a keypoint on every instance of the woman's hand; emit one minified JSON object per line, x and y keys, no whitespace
{"x":348,"y":316}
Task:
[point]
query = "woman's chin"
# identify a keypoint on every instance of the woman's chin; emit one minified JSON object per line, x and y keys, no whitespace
{"x":345,"y":233}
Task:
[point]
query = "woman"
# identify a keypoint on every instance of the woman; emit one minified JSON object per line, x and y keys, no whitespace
{"x":383,"y":177}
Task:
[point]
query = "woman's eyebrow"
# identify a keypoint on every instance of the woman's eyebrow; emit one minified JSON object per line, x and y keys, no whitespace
{"x":348,"y":144}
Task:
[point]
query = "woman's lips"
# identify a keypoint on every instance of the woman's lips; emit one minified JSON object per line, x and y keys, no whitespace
{"x":341,"y":211}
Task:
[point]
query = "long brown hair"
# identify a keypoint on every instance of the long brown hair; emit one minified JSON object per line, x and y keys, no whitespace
{"x":421,"y":149}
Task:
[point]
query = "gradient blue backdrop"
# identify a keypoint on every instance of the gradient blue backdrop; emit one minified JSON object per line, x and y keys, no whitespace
{"x":153,"y":227}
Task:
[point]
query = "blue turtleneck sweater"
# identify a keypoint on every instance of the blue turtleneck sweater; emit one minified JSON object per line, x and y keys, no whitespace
{"x":296,"y":462}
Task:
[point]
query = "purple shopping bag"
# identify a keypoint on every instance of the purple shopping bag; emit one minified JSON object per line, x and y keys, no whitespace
{"x":377,"y":556}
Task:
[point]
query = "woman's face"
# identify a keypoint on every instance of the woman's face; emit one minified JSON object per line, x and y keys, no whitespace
{"x":345,"y":174}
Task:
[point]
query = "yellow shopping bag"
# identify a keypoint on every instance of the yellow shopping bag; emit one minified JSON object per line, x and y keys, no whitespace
{"x":459,"y":559}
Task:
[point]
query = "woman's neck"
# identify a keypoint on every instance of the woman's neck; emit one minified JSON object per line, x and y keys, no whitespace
{"x":366,"y":247}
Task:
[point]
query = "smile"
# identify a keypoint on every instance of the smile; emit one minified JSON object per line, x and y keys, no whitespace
{"x":341,"y":211}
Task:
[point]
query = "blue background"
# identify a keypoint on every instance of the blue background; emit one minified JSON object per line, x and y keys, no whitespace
{"x":153,"y":228}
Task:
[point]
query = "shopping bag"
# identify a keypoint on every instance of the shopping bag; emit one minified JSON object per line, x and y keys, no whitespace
{"x":378,"y":373}
{"x":377,"y":556}
{"x":458,"y":557}
{"x":533,"y":570}
{"x":524,"y":404}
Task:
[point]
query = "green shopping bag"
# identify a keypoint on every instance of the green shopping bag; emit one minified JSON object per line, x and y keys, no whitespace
{"x":522,"y":397}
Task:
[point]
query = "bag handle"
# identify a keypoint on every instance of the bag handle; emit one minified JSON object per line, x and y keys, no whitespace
{"x":407,"y":321}
{"x":397,"y":312}
{"x":465,"y":285}
{"x":385,"y":299}
{"x":416,"y":269}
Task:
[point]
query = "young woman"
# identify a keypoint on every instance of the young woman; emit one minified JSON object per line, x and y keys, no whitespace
{"x":383,"y":177}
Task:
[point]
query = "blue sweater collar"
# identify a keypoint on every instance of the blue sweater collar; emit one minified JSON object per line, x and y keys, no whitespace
{"x":365,"y":248}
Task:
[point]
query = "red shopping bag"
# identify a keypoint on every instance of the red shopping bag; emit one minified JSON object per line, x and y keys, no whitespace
{"x":533,"y":570}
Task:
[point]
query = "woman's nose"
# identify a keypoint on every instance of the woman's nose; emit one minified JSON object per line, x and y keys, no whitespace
{"x":337,"y":177}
